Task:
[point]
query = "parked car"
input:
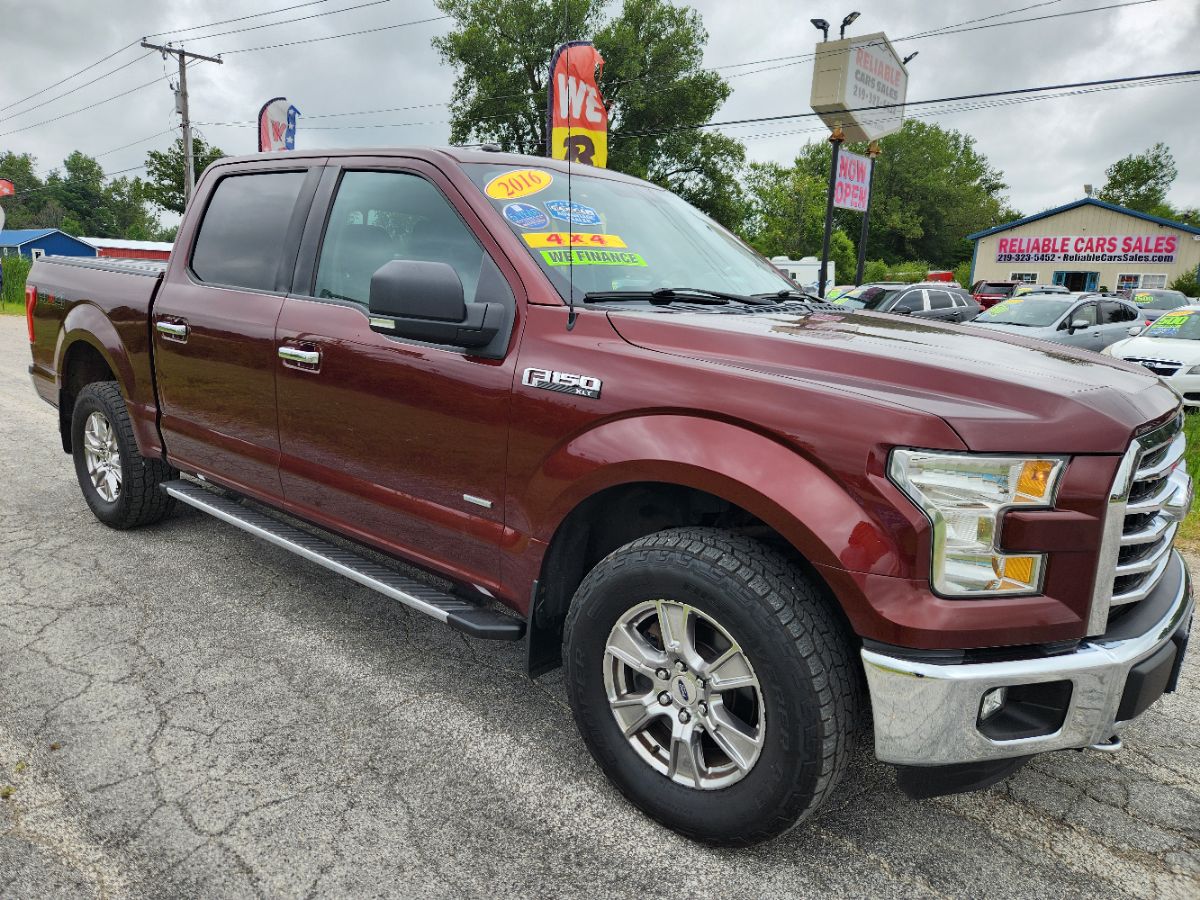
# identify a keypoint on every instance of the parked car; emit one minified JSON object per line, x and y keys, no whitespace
{"x":859,"y":297}
{"x":989,"y":293}
{"x":1023,"y":289}
{"x":927,"y":300}
{"x":1154,"y":303}
{"x":730,"y":512}
{"x":838,"y":291}
{"x":1170,"y":348}
{"x":1081,"y":320}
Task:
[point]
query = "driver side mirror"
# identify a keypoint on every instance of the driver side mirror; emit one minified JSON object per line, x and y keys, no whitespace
{"x":902,"y":311}
{"x":424,"y":300}
{"x":1135,"y":330}
{"x":1077,"y":324}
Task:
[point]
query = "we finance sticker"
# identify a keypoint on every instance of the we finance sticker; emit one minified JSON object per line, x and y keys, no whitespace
{"x":525,"y":215}
{"x":518,"y":183}
{"x":568,"y":257}
{"x":576,"y":239}
{"x":575,"y":213}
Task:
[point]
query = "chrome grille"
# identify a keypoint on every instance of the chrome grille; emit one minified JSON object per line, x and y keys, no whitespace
{"x":1163,"y":367}
{"x":1150,"y":495}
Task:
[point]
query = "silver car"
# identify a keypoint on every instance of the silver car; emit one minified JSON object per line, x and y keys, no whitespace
{"x":1080,"y":320}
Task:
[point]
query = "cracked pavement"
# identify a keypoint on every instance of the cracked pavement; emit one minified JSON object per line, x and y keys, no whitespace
{"x":187,"y":711}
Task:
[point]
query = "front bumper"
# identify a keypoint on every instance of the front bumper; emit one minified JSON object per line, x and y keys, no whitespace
{"x":1188,"y":387}
{"x":927,"y":714}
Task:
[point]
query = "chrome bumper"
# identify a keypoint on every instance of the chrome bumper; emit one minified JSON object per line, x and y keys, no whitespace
{"x":928,"y":714}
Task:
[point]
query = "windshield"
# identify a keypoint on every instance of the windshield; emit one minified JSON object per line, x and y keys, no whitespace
{"x":1183,"y":325}
{"x":1030,"y":311}
{"x":995,"y":290}
{"x":1159,"y":299}
{"x":617,"y":236}
{"x":869,"y":296}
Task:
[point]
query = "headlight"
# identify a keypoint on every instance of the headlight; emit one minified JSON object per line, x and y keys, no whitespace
{"x":964,"y":496}
{"x":1194,"y":370}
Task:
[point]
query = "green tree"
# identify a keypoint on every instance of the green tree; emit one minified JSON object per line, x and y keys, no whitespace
{"x":653,"y":83}
{"x":164,"y":171}
{"x":1141,"y":180}
{"x":24,"y":208}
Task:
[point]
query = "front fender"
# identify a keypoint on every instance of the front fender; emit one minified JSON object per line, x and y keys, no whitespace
{"x":760,"y":474}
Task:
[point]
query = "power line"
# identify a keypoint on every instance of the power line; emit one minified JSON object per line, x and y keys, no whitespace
{"x":74,"y":89}
{"x":51,"y":87}
{"x":334,"y":37}
{"x":89,"y":106}
{"x":269,"y":12}
{"x":331,"y":12}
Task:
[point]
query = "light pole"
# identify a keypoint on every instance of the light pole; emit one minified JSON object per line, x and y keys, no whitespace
{"x":822,"y":26}
{"x":849,"y":20}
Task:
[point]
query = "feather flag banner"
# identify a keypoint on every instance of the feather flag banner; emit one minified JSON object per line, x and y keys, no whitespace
{"x":577,"y":119}
{"x":277,"y":125}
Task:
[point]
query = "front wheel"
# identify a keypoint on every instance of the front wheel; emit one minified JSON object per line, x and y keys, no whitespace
{"x":712,"y":683}
{"x":119,"y":484}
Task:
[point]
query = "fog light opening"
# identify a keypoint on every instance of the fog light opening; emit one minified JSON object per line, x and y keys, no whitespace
{"x":992,"y":703}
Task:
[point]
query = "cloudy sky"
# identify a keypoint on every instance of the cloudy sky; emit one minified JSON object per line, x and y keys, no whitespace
{"x":1047,"y":150}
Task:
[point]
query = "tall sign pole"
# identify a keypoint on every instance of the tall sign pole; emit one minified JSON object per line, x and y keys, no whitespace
{"x":189,"y":164}
{"x":836,"y":139}
{"x":873,"y":151}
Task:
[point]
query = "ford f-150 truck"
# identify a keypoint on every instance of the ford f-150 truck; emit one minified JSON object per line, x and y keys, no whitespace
{"x":748,"y":524}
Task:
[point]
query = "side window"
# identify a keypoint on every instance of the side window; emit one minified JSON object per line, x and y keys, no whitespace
{"x":1112,"y":313}
{"x":381,"y":216}
{"x":242,"y":237}
{"x":939,"y":300}
{"x":1087,"y":312}
{"x":912,"y":301}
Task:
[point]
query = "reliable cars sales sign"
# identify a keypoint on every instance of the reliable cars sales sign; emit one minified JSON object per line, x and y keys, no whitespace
{"x":860,"y":84}
{"x":1089,"y":248}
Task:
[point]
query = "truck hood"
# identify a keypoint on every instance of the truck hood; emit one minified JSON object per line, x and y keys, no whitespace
{"x":1000,"y":393}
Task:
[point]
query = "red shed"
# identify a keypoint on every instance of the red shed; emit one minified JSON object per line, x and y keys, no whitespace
{"x":130,"y":249}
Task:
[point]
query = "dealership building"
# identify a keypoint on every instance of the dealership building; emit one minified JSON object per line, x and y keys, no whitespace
{"x":1087,"y":245}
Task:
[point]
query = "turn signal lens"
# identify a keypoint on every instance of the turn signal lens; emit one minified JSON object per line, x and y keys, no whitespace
{"x":965,"y":497}
{"x":30,"y":303}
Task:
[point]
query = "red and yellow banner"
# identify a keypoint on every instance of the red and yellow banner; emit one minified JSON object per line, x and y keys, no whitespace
{"x":577,"y":117}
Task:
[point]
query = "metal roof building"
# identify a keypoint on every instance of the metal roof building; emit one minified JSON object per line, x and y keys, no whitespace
{"x":125,"y":249}
{"x":35,"y":242}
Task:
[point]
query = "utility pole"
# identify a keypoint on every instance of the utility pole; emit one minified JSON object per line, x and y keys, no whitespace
{"x":189,"y":164}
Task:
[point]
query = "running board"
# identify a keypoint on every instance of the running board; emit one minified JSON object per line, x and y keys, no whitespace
{"x":467,"y":617}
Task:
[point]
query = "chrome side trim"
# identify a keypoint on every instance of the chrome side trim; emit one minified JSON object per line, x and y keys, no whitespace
{"x":295,"y":354}
{"x":927,"y":714}
{"x":478,"y":501}
{"x":1174,"y":454}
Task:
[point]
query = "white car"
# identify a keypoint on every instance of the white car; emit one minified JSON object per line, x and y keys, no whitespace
{"x":1170,"y":348}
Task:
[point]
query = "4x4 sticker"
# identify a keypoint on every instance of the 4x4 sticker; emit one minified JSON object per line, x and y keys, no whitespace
{"x":575,"y":213}
{"x":563,"y":382}
{"x":592,"y":258}
{"x":525,"y":215}
{"x":576,"y":239}
{"x":518,"y":183}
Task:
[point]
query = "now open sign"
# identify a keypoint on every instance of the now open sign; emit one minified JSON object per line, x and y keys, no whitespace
{"x":853,"y":184}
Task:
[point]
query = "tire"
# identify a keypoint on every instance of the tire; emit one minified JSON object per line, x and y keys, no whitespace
{"x":747,"y":599}
{"x":126,"y":492}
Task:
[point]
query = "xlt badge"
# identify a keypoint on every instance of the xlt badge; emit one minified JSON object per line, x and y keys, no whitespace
{"x":563,"y":382}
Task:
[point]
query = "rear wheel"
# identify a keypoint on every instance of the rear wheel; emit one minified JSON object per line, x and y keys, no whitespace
{"x":120,"y":485}
{"x":712,"y":683}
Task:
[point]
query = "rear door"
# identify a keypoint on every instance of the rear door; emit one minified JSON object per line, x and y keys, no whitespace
{"x":1115,"y":321}
{"x":399,"y":442}
{"x":214,"y":325}
{"x":941,"y":306}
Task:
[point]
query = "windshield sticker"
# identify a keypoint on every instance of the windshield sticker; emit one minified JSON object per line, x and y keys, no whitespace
{"x":519,"y":183}
{"x":1171,"y":322}
{"x":575,"y":213}
{"x":592,"y":258}
{"x":525,"y":215}
{"x":1143,"y":299}
{"x":1003,"y":306}
{"x":578,"y":239}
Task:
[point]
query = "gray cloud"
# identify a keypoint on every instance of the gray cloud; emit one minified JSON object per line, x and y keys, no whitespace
{"x":1047,"y":150}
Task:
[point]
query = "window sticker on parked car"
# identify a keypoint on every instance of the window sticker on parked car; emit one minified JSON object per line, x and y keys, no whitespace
{"x":1170,"y":323}
{"x":1002,"y":306}
{"x":518,"y":183}
{"x":1143,"y":299}
{"x":576,"y":239}
{"x":592,"y":258}
{"x":525,"y":215}
{"x":575,"y":213}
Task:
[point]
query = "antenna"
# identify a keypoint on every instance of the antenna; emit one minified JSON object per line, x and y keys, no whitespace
{"x":570,"y":204}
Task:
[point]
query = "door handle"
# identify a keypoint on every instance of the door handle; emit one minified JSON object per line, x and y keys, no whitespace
{"x":301,"y":358}
{"x":173,"y":331}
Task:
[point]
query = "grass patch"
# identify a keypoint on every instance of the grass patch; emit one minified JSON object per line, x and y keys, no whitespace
{"x":12,"y":309}
{"x":1189,"y":529}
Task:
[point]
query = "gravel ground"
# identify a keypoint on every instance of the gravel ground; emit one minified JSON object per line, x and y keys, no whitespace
{"x":187,"y":711}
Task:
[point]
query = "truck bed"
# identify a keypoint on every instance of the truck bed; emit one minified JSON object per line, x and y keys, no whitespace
{"x":150,"y":267}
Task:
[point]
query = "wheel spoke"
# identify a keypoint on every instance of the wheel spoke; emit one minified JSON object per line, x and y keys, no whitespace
{"x":628,"y":645}
{"x":730,"y":671}
{"x":677,"y":623}
{"x":687,"y":759}
{"x":635,"y":713}
{"x":738,"y":744}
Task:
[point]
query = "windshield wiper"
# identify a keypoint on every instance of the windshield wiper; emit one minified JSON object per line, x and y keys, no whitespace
{"x":689,"y":293}
{"x":658,"y":298}
{"x":787,"y":293}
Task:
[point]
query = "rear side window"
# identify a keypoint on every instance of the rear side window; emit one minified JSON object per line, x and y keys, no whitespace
{"x":1112,"y":313}
{"x":242,"y":237}
{"x":939,"y":300}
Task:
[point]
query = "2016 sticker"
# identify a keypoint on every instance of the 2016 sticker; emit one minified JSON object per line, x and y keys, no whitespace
{"x":578,"y":239}
{"x":575,"y":213}
{"x":525,"y":215}
{"x":518,"y":183}
{"x":592,"y":258}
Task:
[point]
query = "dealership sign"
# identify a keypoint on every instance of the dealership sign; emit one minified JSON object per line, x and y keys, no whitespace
{"x":853,"y":185}
{"x":1089,"y":248}
{"x":860,"y":84}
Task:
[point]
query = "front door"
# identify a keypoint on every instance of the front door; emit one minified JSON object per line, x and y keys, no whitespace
{"x":214,"y":330}
{"x":398,"y":442}
{"x":1077,"y":281}
{"x":1089,"y":336}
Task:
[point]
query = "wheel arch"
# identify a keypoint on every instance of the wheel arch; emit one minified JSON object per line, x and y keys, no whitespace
{"x":83,"y":361}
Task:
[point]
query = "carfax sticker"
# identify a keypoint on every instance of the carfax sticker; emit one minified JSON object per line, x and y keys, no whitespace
{"x":575,"y":213}
{"x":525,"y":215}
{"x":577,"y":239}
{"x":592,"y":258}
{"x":518,"y":183}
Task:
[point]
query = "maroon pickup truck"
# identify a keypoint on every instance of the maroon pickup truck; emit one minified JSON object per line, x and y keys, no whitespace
{"x":748,"y":524}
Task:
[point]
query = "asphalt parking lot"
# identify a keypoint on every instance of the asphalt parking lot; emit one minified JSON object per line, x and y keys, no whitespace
{"x":186,"y":711}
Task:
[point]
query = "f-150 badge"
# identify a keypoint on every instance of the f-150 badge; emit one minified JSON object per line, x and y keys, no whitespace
{"x":563,"y":382}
